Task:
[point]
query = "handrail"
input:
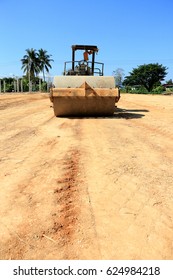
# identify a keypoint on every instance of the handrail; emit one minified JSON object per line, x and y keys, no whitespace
{"x":97,"y":70}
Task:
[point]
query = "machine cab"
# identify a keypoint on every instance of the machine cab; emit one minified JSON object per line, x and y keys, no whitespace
{"x":85,"y":66}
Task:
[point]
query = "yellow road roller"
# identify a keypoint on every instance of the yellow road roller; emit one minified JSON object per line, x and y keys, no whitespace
{"x":83,"y":90}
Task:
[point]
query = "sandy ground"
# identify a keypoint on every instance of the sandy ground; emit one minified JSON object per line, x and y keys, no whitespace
{"x":86,"y":188}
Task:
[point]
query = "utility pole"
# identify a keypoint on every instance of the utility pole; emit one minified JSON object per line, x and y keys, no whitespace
{"x":4,"y":86}
{"x":17,"y":84}
{"x":0,"y":85}
{"x":14,"y":85}
{"x":21,"y":85}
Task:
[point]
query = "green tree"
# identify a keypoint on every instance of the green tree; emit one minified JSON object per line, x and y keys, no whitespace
{"x":9,"y":84}
{"x":147,"y":75}
{"x":30,"y":63}
{"x":44,"y":61}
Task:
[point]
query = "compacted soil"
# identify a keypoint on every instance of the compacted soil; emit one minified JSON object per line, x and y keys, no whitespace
{"x":86,"y":188}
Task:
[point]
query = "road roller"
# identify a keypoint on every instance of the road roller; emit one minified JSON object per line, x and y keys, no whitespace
{"x":83,"y":90}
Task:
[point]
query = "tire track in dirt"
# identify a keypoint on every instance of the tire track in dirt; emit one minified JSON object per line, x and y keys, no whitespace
{"x":49,"y":234}
{"x":57,"y":234}
{"x":66,"y":195}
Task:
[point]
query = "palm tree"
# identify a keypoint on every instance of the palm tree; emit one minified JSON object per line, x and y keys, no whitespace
{"x":30,"y":63}
{"x":44,"y":61}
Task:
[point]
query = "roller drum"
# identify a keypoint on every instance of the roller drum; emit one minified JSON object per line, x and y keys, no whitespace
{"x":84,"y":95}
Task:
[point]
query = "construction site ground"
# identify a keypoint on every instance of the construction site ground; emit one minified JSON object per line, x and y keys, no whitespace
{"x":86,"y":188}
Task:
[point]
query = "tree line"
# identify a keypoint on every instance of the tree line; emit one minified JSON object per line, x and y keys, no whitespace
{"x":145,"y":78}
{"x":21,"y":84}
{"x":33,"y":63}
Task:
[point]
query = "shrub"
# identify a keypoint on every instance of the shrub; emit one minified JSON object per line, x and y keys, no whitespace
{"x":158,"y":90}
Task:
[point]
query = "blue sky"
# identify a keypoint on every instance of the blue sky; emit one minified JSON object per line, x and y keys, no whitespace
{"x":128,"y":33}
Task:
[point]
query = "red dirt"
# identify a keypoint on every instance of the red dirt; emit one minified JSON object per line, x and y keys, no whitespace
{"x":86,"y":188}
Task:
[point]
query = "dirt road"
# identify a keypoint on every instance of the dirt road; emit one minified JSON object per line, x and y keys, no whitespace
{"x":89,"y":188}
